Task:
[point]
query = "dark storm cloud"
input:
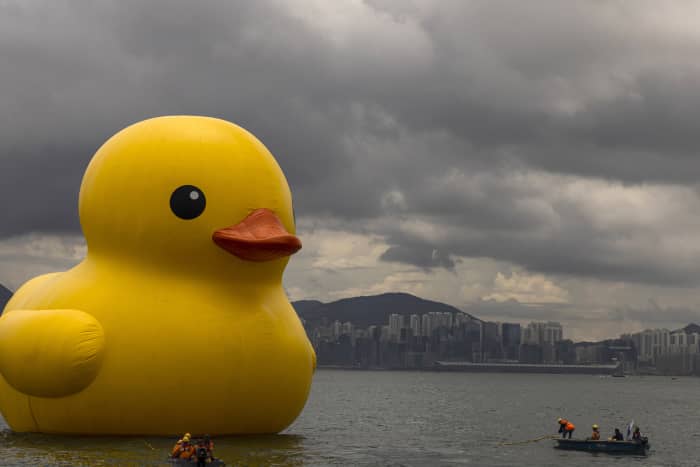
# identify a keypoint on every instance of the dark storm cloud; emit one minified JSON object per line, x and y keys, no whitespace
{"x":591,"y":231}
{"x":375,"y":110}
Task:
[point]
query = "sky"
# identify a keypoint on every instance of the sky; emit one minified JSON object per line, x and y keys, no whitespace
{"x":521,"y":162}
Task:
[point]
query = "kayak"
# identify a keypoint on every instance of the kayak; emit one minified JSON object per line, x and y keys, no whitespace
{"x":618,"y":447}
{"x":193,"y":462}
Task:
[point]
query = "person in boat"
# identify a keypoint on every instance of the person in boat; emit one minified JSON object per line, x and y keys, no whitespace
{"x":201,"y":454}
{"x":566,"y":427}
{"x":176,"y":448}
{"x":595,"y":436}
{"x":637,"y":435}
{"x":185,"y":450}
{"x":617,"y":436}
{"x":209,"y":445}
{"x":204,"y":451}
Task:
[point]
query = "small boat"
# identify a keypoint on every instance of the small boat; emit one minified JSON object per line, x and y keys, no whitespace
{"x":618,"y":447}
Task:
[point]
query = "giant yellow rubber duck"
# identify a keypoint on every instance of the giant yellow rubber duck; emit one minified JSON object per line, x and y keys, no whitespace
{"x":176,"y":320}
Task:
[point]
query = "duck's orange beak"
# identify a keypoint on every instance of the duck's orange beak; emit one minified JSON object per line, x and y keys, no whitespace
{"x":259,"y":237}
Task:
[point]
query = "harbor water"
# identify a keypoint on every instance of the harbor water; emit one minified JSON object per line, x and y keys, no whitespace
{"x":386,"y":418}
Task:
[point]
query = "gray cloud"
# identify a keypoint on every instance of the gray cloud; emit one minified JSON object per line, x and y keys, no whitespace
{"x":440,"y":126}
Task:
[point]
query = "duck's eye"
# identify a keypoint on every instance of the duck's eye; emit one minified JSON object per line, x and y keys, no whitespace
{"x":187,"y":202}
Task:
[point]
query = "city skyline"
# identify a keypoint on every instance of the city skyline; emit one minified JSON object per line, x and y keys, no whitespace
{"x":484,"y":314}
{"x":435,"y":339}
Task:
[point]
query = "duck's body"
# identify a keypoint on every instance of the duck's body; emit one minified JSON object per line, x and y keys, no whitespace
{"x":157,"y":343}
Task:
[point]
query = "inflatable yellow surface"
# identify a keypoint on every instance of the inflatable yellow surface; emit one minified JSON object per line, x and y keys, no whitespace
{"x":176,"y":320}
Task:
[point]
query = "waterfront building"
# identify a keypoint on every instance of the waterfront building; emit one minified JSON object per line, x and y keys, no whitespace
{"x":448,"y":319}
{"x":552,"y":332}
{"x":337,"y":327}
{"x":435,"y":321}
{"x":694,"y":343}
{"x":539,"y":333}
{"x":395,"y":326}
{"x":490,"y":342}
{"x":417,"y":341}
{"x":510,"y":334}
{"x":650,"y":344}
{"x":425,"y":326}
{"x":459,"y":319}
{"x":347,"y":328}
{"x":415,"y":325}
{"x":385,"y":335}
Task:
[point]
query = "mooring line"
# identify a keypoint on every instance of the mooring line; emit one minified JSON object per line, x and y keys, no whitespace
{"x":513,"y":443}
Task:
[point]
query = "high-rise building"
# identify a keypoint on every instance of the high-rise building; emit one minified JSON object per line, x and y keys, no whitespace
{"x":347,"y":329}
{"x":415,"y":325}
{"x":425,"y":325}
{"x":528,"y":336}
{"x":385,"y":334}
{"x":544,"y":336}
{"x":651,"y":343}
{"x":395,"y":326}
{"x":459,"y":319}
{"x":435,"y":321}
{"x":490,"y":341}
{"x":540,"y":333}
{"x":510,"y":334}
{"x":337,"y":328}
{"x":472,"y":340}
{"x":552,"y":333}
{"x":448,"y":317}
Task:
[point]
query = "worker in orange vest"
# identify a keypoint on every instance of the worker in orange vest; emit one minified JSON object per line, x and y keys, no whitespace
{"x":185,"y":450}
{"x":565,"y":427}
{"x":176,"y":449}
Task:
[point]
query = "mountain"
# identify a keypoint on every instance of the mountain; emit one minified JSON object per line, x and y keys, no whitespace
{"x":366,"y":311}
{"x":5,"y":295}
{"x":691,"y":328}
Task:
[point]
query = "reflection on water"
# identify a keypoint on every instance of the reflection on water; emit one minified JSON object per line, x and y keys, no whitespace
{"x":38,"y":449}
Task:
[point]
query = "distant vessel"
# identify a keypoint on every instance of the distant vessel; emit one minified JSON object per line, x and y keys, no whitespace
{"x":617,"y":447}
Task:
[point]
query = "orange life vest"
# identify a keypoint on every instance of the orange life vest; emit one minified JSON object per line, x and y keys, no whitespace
{"x":185,"y":452}
{"x":176,"y":449}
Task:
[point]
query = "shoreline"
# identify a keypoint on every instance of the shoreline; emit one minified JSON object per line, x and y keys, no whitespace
{"x":501,"y":370}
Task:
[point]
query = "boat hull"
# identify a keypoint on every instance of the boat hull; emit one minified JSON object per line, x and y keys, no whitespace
{"x":617,"y":447}
{"x":191,"y":463}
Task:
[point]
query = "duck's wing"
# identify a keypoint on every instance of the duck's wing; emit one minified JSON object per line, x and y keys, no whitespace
{"x":50,"y":353}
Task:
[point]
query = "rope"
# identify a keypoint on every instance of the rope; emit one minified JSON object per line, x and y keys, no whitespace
{"x":513,"y":443}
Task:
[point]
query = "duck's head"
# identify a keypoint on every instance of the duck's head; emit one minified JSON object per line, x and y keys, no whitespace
{"x":189,"y":192}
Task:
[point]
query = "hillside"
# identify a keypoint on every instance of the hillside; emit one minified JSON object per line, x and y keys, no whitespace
{"x":366,"y":311}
